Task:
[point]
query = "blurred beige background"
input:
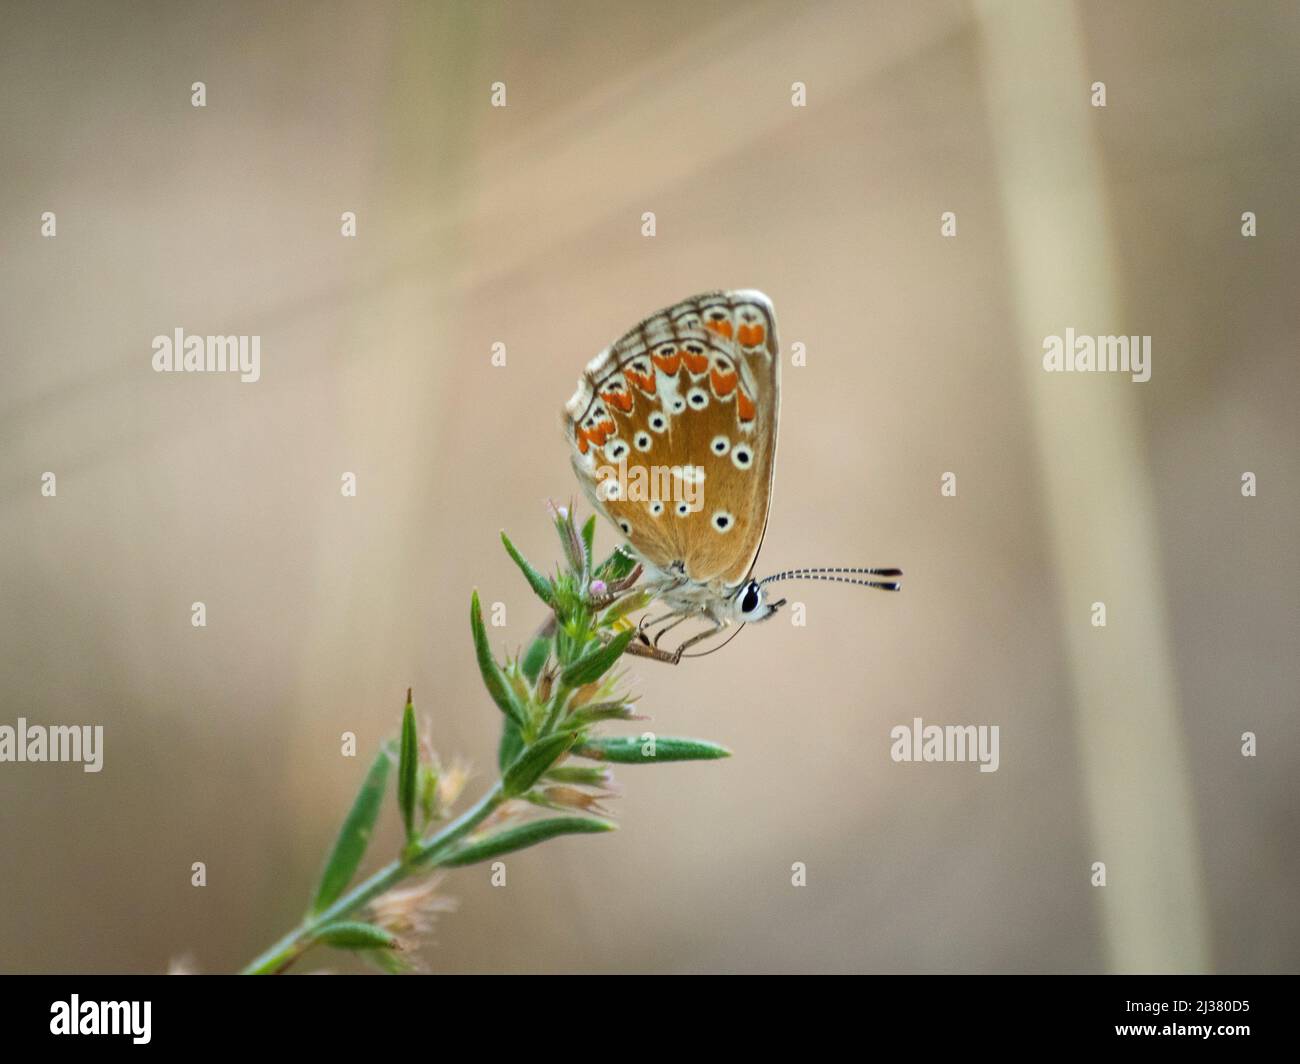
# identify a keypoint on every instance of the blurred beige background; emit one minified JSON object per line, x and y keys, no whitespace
{"x":522,"y":225}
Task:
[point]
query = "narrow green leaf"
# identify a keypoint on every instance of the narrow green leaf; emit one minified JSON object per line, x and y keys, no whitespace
{"x":595,"y":712}
{"x":512,"y":742}
{"x":407,"y":767}
{"x":528,"y":767}
{"x":541,"y":586}
{"x":493,"y":678}
{"x":629,"y":603}
{"x":631,"y":750}
{"x":589,"y":775}
{"x":588,"y":545}
{"x":568,"y":537}
{"x":535,"y":659}
{"x":616,"y":566}
{"x":354,"y":836}
{"x":426,"y":787}
{"x":349,"y":934}
{"x":518,"y":838}
{"x":594,"y":665}
{"x":388,"y":961}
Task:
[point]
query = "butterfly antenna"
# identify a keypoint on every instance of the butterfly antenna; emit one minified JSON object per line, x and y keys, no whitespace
{"x":841,"y":575}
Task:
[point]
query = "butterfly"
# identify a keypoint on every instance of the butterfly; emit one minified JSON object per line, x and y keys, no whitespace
{"x":673,"y":434}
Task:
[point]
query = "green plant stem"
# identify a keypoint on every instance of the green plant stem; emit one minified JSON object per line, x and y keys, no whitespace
{"x":301,"y":938}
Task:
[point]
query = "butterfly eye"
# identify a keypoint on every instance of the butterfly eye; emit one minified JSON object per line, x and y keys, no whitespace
{"x":656,"y":508}
{"x":658,"y":422}
{"x":626,"y":527}
{"x":751,"y":601}
{"x":616,"y":450}
{"x":683,"y":509}
{"x":697,"y":398}
{"x":679,"y":404}
{"x":742,"y":456}
{"x":642,"y":441}
{"x":720,"y":445}
{"x":722,"y":521}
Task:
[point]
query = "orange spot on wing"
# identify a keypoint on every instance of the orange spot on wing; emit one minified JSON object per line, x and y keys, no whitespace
{"x":621,"y":400}
{"x":722,"y":383}
{"x":696,"y":364}
{"x":670,"y":364}
{"x":744,"y":407}
{"x":644,"y":381}
{"x":751,"y":335}
{"x":722,"y":328}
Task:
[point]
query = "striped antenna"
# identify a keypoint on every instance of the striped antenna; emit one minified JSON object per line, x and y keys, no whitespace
{"x":841,"y":575}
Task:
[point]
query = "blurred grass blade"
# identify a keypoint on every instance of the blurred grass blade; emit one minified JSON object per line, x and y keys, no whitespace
{"x":407,"y":766}
{"x":493,"y":678}
{"x":521,"y":837}
{"x":350,"y":934}
{"x":631,"y":750}
{"x":354,"y":836}
{"x":540,"y":584}
{"x":527,"y":769}
{"x":596,"y":664}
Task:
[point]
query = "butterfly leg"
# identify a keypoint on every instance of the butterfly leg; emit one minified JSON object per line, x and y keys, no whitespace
{"x":708,"y":633}
{"x":671,"y":657}
{"x":645,"y":650}
{"x":669,"y":627}
{"x":647,"y":622}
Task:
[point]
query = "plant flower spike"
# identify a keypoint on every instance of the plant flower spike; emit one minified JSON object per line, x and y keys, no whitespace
{"x":554,"y":770}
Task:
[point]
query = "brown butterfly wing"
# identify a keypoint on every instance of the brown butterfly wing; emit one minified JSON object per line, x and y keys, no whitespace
{"x":683,"y":410}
